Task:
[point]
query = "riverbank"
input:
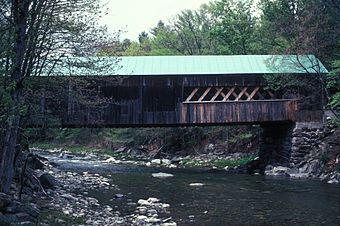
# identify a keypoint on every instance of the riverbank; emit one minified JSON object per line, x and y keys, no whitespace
{"x":232,"y":163}
{"x":188,"y":192}
{"x":59,"y":194}
{"x":89,"y":190}
{"x":315,"y":153}
{"x":63,"y":199}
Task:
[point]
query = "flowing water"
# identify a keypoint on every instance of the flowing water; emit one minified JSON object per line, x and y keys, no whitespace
{"x":224,"y":199}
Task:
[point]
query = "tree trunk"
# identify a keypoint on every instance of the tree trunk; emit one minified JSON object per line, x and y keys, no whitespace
{"x":20,"y":11}
{"x":9,"y":146}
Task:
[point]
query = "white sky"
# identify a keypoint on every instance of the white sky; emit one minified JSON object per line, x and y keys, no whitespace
{"x":135,"y":16}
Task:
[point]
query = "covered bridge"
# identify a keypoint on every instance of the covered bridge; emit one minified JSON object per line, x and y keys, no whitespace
{"x":188,"y":90}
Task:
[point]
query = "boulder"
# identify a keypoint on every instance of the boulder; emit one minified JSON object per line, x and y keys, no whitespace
{"x":333,"y":181}
{"x":276,"y":171}
{"x":162,"y":175}
{"x":35,"y":162}
{"x":143,"y":202}
{"x":119,"y":196}
{"x":64,"y":155}
{"x":156,"y":161}
{"x":311,"y":168}
{"x":295,"y":173}
{"x":166,"y":162}
{"x":48,"y":181}
{"x":153,"y":200}
{"x":196,"y":184}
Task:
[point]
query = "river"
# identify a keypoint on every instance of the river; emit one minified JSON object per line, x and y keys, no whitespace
{"x":225,"y":199}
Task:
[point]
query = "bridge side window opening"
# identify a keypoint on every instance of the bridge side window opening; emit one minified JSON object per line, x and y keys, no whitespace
{"x":230,"y":93}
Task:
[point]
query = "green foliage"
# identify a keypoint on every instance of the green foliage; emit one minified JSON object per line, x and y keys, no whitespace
{"x":235,"y":26}
{"x":218,"y":163}
{"x":335,"y":101}
{"x":333,"y":84}
{"x":221,"y":27}
{"x":248,"y":135}
{"x":304,"y":27}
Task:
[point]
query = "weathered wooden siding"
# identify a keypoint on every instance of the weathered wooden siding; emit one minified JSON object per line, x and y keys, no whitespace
{"x":242,"y":112}
{"x":238,"y":112}
{"x":161,"y":101}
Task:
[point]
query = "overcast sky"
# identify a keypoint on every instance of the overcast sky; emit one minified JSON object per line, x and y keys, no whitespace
{"x":135,"y":16}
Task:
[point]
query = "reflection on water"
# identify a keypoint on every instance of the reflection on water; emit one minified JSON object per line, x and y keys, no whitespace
{"x":224,"y":200}
{"x":229,"y":199}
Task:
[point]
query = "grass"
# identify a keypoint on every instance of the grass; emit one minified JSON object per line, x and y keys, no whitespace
{"x":242,"y":136}
{"x":219,"y":163}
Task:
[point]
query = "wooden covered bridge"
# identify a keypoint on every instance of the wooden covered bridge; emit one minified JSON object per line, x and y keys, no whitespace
{"x":189,"y":90}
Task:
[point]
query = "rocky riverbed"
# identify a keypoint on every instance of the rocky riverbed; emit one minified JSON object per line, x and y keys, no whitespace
{"x":60,"y":196}
{"x":64,"y":200}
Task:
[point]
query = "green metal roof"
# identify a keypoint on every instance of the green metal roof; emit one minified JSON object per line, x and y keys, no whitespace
{"x":190,"y":65}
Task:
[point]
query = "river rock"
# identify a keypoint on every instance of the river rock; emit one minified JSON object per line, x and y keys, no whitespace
{"x":196,"y":184}
{"x":156,"y":161}
{"x":166,"y":162}
{"x":119,"y":196}
{"x":143,"y":202}
{"x":69,"y":197}
{"x":48,"y":181}
{"x":169,"y":224}
{"x":111,"y":160}
{"x":153,"y":220}
{"x":64,"y":155}
{"x":35,"y":163}
{"x":162,"y":175}
{"x":141,"y":219}
{"x":153,"y":200}
{"x":333,"y":181}
{"x":276,"y":171}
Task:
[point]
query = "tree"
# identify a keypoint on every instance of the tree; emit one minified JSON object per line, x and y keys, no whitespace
{"x":37,"y":34}
{"x":301,"y":27}
{"x":234,"y":26}
{"x":165,"y":41}
{"x":192,"y":29}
